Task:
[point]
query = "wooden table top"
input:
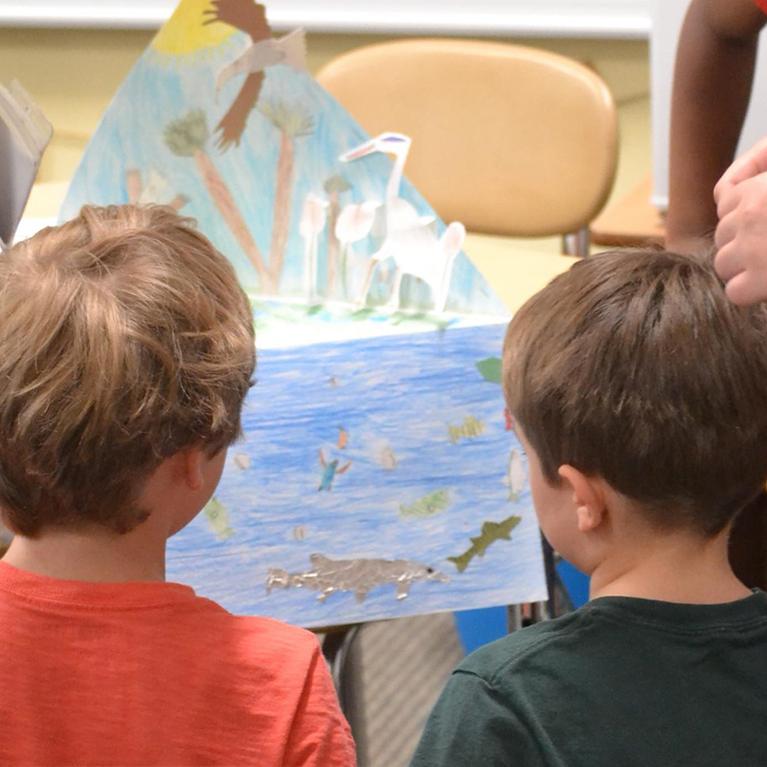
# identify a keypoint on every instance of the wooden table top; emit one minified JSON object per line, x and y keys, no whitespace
{"x":632,"y":220}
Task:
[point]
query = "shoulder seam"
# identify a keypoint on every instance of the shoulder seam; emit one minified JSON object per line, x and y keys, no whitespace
{"x":523,"y":653}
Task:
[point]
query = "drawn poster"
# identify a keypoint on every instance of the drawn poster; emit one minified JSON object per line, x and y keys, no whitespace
{"x":377,"y":476}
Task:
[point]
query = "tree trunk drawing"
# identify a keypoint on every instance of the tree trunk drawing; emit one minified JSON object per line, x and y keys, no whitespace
{"x":186,"y":137}
{"x":292,"y":122}
{"x":133,"y":184}
{"x":226,"y":205}
{"x":334,"y":187}
{"x":282,"y":207}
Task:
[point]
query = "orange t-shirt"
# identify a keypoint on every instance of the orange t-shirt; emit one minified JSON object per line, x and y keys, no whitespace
{"x":151,"y":674}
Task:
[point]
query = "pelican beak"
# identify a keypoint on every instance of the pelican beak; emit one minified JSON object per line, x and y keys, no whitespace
{"x":363,"y":149}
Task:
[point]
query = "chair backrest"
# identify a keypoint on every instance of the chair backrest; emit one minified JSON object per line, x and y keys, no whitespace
{"x":507,"y":139}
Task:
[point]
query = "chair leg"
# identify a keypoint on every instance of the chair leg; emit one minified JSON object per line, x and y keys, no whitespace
{"x":515,"y":619}
{"x":577,"y":243}
{"x":335,"y":647}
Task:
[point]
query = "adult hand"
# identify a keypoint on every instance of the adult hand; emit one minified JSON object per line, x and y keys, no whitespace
{"x":749,"y":164}
{"x":741,"y":236}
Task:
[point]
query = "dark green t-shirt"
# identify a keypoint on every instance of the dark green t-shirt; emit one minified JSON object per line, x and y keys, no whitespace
{"x":621,"y":683}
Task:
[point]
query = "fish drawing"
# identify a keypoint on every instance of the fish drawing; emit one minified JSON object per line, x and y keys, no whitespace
{"x":386,"y":458}
{"x":218,"y":518}
{"x":329,"y":471}
{"x":516,"y":476}
{"x":430,"y":504}
{"x":491,"y":532}
{"x":327,"y":576}
{"x":343,"y":438}
{"x":241,"y":461}
{"x":491,"y":369}
{"x":299,"y":532}
{"x":470,"y":428}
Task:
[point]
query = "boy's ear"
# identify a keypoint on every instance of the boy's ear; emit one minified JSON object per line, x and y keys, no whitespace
{"x":588,"y":498}
{"x":192,"y":459}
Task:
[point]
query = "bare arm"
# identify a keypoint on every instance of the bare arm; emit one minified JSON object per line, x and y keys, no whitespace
{"x":712,"y":85}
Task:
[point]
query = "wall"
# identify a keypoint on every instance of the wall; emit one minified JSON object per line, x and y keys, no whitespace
{"x":73,"y":74}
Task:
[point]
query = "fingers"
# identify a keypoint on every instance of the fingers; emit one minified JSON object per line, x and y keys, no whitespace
{"x":741,"y":236}
{"x":726,"y":229}
{"x":743,"y":208}
{"x":727,"y":198}
{"x":749,"y":164}
{"x":745,"y":289}
{"x":727,"y":263}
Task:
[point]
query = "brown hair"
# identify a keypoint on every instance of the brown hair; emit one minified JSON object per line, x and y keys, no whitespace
{"x":124,"y":338}
{"x":634,"y":366}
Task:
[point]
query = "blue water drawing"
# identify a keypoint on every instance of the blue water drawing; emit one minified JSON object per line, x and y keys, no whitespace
{"x":401,"y":393}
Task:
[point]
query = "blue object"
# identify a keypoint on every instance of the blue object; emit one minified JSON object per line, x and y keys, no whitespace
{"x":478,"y":627}
{"x":575,"y":582}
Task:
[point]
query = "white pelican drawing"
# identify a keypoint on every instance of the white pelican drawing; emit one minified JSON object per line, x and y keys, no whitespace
{"x":410,"y":240}
{"x":354,"y":223}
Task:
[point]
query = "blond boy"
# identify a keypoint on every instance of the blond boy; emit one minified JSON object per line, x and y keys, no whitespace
{"x":126,"y":350}
{"x":640,"y":395}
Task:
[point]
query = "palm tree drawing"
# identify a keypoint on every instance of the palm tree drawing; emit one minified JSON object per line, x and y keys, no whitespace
{"x":292,"y":122}
{"x":334,"y":187}
{"x":187,"y":137}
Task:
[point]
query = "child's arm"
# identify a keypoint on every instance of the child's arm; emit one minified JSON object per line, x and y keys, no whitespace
{"x":319,"y":735}
{"x":712,"y":85}
{"x":473,"y":724}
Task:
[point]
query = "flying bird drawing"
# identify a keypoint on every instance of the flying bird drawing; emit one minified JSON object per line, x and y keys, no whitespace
{"x":265,"y":51}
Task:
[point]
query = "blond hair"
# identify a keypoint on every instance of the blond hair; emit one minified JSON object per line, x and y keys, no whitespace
{"x":124,"y":338}
{"x":635,"y":367}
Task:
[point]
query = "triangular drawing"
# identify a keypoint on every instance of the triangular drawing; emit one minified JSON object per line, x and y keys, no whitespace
{"x":372,"y":435}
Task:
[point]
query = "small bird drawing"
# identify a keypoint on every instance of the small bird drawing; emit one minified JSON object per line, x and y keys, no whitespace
{"x":329,"y":471}
{"x":265,"y":51}
{"x":289,"y":50}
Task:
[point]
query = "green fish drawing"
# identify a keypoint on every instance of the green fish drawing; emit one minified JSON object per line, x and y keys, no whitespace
{"x":430,"y":504}
{"x":490,"y":369}
{"x":491,"y":532}
{"x":218,"y":518}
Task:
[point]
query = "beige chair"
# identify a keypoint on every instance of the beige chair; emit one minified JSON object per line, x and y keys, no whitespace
{"x":510,"y":140}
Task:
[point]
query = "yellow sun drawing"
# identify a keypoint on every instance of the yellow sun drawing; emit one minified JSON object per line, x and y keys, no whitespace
{"x":184,"y":33}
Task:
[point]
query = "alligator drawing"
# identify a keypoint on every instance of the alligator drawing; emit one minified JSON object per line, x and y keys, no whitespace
{"x":360,"y":576}
{"x":491,"y":532}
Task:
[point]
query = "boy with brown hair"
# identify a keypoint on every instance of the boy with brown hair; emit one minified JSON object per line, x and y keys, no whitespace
{"x":639,"y":393}
{"x":126,"y":351}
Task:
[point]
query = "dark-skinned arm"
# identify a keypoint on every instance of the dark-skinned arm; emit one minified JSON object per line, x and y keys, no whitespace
{"x":712,"y":86}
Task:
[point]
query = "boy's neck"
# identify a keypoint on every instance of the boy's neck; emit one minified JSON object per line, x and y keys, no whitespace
{"x":679,"y":567}
{"x":98,"y":556}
